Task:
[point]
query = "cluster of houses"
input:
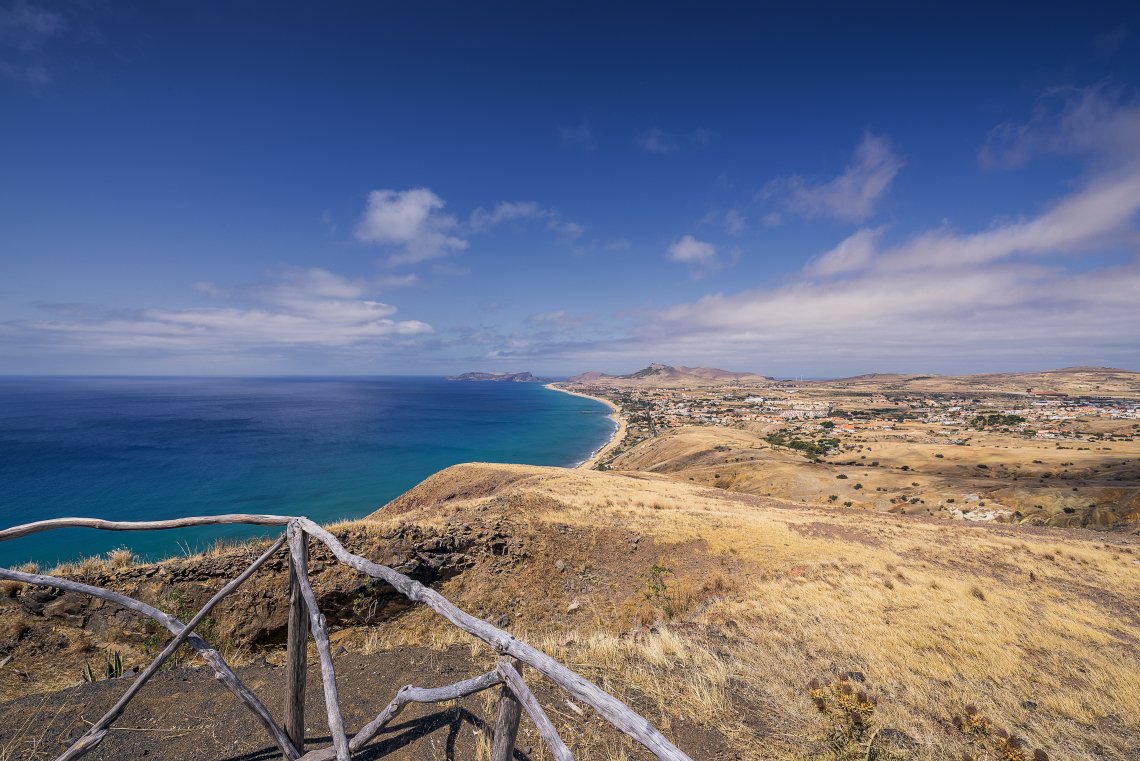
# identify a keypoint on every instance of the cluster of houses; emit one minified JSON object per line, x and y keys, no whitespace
{"x":673,"y":408}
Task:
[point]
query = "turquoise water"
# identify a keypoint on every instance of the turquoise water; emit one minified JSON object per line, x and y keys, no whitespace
{"x":329,"y":448}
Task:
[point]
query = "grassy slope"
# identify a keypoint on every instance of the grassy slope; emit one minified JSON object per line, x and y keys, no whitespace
{"x":765,"y":595}
{"x":936,"y":614}
{"x":1035,"y":478}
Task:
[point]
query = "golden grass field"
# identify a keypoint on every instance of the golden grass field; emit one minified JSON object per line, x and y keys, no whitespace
{"x":936,"y":614}
{"x":1036,"y":626}
{"x":1035,"y":478}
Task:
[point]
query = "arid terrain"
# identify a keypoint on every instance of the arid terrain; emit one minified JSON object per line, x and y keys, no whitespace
{"x":1057,"y":448}
{"x":707,"y":610}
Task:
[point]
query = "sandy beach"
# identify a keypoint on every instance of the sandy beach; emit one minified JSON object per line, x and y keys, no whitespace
{"x":619,"y":434}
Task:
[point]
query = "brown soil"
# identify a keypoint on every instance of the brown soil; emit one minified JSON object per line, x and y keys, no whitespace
{"x":185,"y":713}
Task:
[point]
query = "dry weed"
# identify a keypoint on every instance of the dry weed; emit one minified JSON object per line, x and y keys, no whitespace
{"x":121,"y":557}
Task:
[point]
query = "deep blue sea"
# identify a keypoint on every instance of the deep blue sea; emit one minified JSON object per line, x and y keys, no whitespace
{"x":328,"y":448}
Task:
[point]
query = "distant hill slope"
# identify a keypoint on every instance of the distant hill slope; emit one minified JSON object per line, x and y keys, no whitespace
{"x":1071,"y":380}
{"x":667,"y":375}
{"x":589,"y":377}
{"x":505,"y":377}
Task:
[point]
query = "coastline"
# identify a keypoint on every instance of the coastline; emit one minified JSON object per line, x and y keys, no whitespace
{"x":619,"y":433}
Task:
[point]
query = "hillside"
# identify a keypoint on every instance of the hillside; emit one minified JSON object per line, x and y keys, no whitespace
{"x":707,"y":610}
{"x":502,"y":377}
{"x":667,"y":376}
{"x":1071,"y":380}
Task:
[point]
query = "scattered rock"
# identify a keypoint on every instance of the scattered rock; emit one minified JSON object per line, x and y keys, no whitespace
{"x":1029,"y":705}
{"x":339,"y":651}
{"x":857,"y":676}
{"x":560,"y":565}
{"x":898,"y":739}
{"x":573,"y":606}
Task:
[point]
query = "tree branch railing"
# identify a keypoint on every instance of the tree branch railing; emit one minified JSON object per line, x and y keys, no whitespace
{"x":305,"y":617}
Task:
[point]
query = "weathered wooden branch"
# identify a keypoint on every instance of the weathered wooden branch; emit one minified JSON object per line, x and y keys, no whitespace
{"x":222,"y":670}
{"x":606,"y":705}
{"x":541,"y":721}
{"x":507,"y":723}
{"x":409,"y":694}
{"x":321,"y":636}
{"x":98,"y":730}
{"x":205,"y":520}
{"x":296,"y":649}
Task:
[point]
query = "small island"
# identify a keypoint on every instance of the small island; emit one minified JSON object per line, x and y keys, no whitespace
{"x":503,"y":377}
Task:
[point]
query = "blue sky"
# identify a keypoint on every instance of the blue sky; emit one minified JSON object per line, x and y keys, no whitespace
{"x":370,"y":188}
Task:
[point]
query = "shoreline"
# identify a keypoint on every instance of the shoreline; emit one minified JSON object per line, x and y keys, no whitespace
{"x":618,"y":435}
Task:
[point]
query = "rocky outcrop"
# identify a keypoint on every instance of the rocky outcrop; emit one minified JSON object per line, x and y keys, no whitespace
{"x":256,"y":614}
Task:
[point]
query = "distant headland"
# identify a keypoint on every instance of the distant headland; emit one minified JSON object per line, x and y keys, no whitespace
{"x":504,"y":377}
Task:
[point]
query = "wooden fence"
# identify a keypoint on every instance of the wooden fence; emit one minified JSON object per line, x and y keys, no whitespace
{"x":304,"y":616}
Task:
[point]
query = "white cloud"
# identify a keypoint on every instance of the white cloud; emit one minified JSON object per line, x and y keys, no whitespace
{"x":561,"y":318}
{"x":959,"y":296}
{"x":581,"y":135}
{"x":852,"y":196}
{"x":311,"y":308}
{"x":656,"y":141}
{"x":482,"y":221}
{"x":24,"y":30}
{"x":1089,"y":120}
{"x":734,"y":223}
{"x":941,"y":300}
{"x":410,"y":219}
{"x":618,"y":245}
{"x":853,"y":253}
{"x":692,"y":251}
{"x":701,"y":257}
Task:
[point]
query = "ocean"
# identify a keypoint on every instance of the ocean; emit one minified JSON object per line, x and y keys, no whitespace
{"x":328,"y":448}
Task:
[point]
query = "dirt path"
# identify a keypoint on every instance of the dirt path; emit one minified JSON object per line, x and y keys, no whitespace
{"x":187,"y":714}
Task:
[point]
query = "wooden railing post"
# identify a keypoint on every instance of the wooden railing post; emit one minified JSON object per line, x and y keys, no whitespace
{"x":507,"y":725}
{"x":297,"y":647}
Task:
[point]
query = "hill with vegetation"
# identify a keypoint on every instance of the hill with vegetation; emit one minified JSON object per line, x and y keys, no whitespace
{"x":709,"y":611}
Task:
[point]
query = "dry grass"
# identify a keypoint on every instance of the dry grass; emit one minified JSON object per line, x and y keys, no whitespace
{"x":938,"y":615}
{"x":12,"y":588}
{"x":767,"y":596}
{"x":121,"y":557}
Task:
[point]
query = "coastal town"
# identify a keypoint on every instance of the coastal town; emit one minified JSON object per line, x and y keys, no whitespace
{"x":1034,"y":414}
{"x":1061,"y":452}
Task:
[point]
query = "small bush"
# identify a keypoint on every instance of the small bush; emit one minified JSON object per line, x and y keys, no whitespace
{"x":842,"y":477}
{"x":851,"y":713}
{"x":121,"y":557}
